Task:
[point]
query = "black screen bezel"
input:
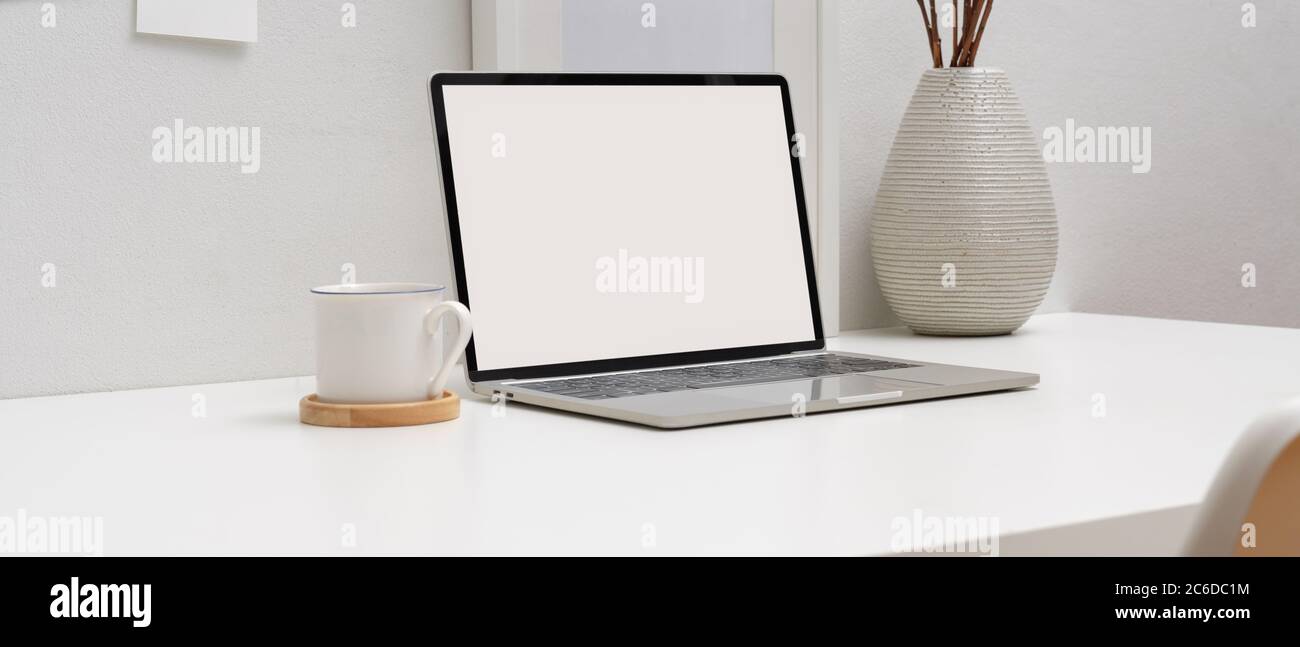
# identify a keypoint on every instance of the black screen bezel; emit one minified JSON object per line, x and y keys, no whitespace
{"x":439,"y":80}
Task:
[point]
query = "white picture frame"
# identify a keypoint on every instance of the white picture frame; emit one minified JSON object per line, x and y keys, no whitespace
{"x":527,"y":36}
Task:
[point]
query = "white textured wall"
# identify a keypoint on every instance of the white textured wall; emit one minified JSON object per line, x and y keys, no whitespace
{"x":1224,"y":188}
{"x":187,"y":273}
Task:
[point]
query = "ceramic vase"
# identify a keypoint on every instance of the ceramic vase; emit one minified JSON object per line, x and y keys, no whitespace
{"x":963,"y":231}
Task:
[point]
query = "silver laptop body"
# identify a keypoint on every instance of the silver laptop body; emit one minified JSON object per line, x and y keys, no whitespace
{"x":636,"y":247}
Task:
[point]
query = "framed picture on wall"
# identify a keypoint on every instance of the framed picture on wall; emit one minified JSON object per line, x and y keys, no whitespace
{"x":795,"y":38}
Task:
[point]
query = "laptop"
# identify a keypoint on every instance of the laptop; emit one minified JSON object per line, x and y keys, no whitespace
{"x":636,"y":247}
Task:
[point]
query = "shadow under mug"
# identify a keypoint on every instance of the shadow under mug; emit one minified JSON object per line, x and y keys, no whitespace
{"x":382,"y":342}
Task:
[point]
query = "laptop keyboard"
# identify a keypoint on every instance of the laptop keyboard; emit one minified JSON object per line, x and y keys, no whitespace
{"x":622,"y":385}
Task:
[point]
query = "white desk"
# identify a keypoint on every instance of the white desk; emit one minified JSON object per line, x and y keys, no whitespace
{"x":249,"y":479}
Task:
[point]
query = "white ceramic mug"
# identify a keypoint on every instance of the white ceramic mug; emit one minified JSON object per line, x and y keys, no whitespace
{"x":382,"y":342}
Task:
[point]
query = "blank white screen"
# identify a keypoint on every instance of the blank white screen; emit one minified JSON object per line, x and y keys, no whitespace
{"x":561,"y":189}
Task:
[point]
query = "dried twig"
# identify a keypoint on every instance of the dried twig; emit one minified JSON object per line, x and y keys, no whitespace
{"x":975,"y":46}
{"x":937,"y":45}
{"x":929,"y":33}
{"x":957,"y":9}
{"x":973,"y":8}
{"x":968,"y":21}
{"x":954,"y":27}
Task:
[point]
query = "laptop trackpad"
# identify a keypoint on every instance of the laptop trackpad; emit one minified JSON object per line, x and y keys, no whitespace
{"x":841,"y":389}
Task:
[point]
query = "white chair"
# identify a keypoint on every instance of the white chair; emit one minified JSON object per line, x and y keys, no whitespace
{"x":1258,"y":488}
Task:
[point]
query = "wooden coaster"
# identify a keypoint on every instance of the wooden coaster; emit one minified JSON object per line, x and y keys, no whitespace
{"x":322,"y":414}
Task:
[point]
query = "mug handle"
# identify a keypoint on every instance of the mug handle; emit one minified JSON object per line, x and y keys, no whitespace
{"x":431,"y":319}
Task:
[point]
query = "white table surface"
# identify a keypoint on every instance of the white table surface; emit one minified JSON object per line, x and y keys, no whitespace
{"x":250,"y":479}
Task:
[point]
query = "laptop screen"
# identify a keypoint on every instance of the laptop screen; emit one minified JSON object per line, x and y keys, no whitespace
{"x":601,"y":222}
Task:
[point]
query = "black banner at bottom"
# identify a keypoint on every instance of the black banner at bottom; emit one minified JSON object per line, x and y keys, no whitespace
{"x":208,"y":597}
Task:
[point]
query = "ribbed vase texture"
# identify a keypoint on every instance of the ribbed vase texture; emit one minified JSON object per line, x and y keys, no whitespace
{"x":963,"y":233}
